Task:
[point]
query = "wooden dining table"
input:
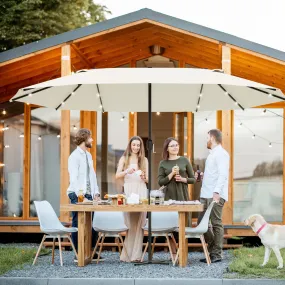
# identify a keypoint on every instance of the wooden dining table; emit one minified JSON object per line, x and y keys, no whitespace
{"x":85,"y":224}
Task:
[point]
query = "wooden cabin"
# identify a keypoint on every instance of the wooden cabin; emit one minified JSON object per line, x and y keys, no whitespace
{"x":35,"y":142}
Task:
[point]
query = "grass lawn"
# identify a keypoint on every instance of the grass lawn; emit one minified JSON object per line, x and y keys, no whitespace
{"x":15,"y":257}
{"x":247,"y":261}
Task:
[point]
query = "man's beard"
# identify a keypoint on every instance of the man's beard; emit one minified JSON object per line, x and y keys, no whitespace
{"x":209,"y":145}
{"x":88,"y":145}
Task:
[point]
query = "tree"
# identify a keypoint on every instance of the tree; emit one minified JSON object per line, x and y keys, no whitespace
{"x":26,"y":21}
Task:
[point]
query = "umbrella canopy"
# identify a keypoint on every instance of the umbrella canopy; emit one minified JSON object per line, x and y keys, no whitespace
{"x":126,"y":90}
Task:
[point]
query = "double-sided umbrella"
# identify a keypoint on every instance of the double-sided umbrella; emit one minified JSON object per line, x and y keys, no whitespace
{"x":149,"y":90}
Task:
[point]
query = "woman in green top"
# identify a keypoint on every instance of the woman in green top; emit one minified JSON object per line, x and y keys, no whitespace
{"x":176,"y":180}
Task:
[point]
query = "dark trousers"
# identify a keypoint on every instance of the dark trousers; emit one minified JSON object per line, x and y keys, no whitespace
{"x":74,"y":236}
{"x":215,"y":234}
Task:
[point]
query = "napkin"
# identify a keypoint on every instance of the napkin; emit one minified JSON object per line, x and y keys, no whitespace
{"x":133,"y":199}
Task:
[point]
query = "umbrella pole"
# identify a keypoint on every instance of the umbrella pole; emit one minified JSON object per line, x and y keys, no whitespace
{"x":150,"y":147}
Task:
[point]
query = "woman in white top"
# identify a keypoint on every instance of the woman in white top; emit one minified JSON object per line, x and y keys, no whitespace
{"x":133,"y":160}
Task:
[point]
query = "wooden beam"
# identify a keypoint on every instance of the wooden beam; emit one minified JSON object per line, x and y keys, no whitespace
{"x":88,"y":120}
{"x":133,"y":116}
{"x":227,"y":131}
{"x":219,"y":120}
{"x":64,"y":137}
{"x":27,"y":161}
{"x":82,"y":57}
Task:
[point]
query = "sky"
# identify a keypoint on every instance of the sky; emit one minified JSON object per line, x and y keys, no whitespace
{"x":260,"y":21}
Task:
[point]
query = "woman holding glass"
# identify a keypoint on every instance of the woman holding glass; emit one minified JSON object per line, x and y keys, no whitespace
{"x":133,"y":168}
{"x":175,"y":172}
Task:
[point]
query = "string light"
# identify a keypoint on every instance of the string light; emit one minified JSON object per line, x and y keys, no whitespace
{"x":270,"y":145}
{"x":7,"y":146}
{"x":74,"y":127}
{"x":21,"y":135}
{"x":240,"y":125}
{"x":72,"y":93}
{"x":201,"y":95}
{"x":39,"y":138}
{"x":263,"y":112}
{"x":101,"y":107}
{"x":123,"y":118}
{"x":207,"y":121}
{"x":98,"y":95}
{"x":253,"y":136}
{"x":157,"y":113}
{"x":30,"y":95}
{"x":2,"y":164}
{"x":4,"y":112}
{"x":132,"y":113}
{"x":269,"y":95}
{"x":58,"y":136}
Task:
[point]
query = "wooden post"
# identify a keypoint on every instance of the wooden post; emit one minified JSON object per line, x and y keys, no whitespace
{"x":225,"y":122}
{"x":27,"y":161}
{"x":104,"y":155}
{"x":133,"y":116}
{"x":1,"y":169}
{"x":64,"y":137}
{"x":190,"y":147}
{"x":88,"y":120}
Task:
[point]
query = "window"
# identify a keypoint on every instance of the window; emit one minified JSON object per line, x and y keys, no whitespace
{"x":258,"y":164}
{"x":45,"y":158}
{"x":11,"y":166}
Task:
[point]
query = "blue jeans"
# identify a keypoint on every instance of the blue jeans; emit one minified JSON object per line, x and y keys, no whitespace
{"x":74,"y":236}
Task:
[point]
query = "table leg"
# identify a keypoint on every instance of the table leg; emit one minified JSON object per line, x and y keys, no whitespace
{"x":88,"y":234}
{"x":183,"y":249}
{"x":81,"y":229}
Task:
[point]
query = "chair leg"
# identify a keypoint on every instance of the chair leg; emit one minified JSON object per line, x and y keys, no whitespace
{"x":96,"y":246}
{"x":118,"y":244}
{"x":205,"y":250}
{"x":174,"y":241}
{"x":176,"y":258}
{"x":60,"y":250}
{"x":39,"y":249}
{"x":101,"y":246}
{"x":146,"y":247}
{"x":153,"y":245}
{"x":124,"y":248}
{"x":169,"y":246}
{"x":53,"y":246}
{"x":72,"y":245}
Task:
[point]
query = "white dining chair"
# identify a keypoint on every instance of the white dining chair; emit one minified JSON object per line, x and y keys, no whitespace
{"x":163,"y":224}
{"x":51,"y":226}
{"x":109,"y":224}
{"x":198,"y":232}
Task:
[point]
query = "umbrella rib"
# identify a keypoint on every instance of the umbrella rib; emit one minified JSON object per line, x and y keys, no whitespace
{"x":100,"y":98}
{"x":199,"y":98}
{"x":33,"y":92}
{"x":227,"y":93}
{"x":63,"y":102}
{"x":265,"y":92}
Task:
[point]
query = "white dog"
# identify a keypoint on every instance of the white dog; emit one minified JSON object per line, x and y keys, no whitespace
{"x":272,"y":237}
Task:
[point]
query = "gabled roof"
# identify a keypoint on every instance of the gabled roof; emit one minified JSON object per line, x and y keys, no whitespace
{"x":134,"y":17}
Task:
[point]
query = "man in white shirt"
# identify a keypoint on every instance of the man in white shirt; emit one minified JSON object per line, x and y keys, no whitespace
{"x":215,"y":187}
{"x":82,"y":177}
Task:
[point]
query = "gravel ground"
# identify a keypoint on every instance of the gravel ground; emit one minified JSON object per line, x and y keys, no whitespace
{"x":113,"y":268}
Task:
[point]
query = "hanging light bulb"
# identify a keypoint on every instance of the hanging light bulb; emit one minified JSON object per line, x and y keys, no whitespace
{"x":270,"y":144}
{"x":27,"y":103}
{"x":98,"y":95}
{"x":72,"y":93}
{"x":226,"y":93}
{"x":101,"y":107}
{"x":7,"y":146}
{"x":157,"y":113}
{"x":198,"y":106}
{"x":201,"y":95}
{"x":236,"y":102}
{"x":2,"y":164}
{"x":253,"y":136}
{"x":263,"y":112}
{"x":132,"y":113}
{"x":240,"y":125}
{"x":58,"y":136}
{"x":62,"y":103}
{"x":269,"y":95}
{"x":206,"y":120}
{"x":123,"y":118}
{"x":39,"y":138}
{"x":30,"y":95}
{"x":21,"y":135}
{"x":4,"y":112}
{"x":74,"y":127}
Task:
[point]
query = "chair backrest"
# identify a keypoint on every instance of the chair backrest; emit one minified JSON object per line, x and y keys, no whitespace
{"x":204,"y":224}
{"x":109,"y":221}
{"x":47,"y":216}
{"x":164,"y":220}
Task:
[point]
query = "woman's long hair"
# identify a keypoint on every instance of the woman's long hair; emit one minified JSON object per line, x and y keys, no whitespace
{"x":141,"y":153}
{"x":165,"y":153}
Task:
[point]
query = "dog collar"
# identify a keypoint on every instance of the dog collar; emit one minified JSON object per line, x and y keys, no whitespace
{"x":261,"y":228}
